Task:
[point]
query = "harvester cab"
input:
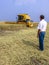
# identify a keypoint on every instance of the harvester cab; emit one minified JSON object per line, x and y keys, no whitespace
{"x":26,"y":19}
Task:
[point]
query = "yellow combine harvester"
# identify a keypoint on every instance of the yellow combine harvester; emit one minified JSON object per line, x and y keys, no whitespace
{"x":25,"y":18}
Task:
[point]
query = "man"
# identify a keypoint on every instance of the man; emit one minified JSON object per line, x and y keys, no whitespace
{"x":41,"y":32}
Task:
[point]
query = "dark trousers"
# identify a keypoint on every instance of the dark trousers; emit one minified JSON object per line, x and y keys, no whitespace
{"x":41,"y":40}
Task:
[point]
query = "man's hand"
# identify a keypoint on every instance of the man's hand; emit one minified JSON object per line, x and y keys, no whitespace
{"x":37,"y":35}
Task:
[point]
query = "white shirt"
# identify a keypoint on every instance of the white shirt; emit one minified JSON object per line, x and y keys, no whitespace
{"x":42,"y":25}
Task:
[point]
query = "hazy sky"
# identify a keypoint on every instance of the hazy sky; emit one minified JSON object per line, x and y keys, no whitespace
{"x":9,"y":9}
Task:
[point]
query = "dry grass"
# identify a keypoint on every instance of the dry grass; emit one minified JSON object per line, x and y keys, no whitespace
{"x":20,"y":47}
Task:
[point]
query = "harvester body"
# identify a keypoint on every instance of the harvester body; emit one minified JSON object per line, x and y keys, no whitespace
{"x":26,"y":19}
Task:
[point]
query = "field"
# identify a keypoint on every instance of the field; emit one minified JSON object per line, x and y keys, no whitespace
{"x":19,"y":45}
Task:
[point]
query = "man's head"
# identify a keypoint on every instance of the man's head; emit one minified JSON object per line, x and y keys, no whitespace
{"x":42,"y":17}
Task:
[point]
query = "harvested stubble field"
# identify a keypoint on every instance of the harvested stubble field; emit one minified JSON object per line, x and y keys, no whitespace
{"x":19,"y":45}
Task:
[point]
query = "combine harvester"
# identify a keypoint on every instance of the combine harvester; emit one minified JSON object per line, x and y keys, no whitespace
{"x":22,"y":19}
{"x":25,"y":18}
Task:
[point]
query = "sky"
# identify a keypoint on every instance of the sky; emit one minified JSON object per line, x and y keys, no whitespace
{"x":9,"y":9}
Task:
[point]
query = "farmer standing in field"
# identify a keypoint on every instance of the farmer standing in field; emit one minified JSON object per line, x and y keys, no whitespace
{"x":41,"y":32}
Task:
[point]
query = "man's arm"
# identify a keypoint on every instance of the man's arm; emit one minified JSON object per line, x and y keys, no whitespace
{"x":38,"y":32}
{"x":39,"y":29}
